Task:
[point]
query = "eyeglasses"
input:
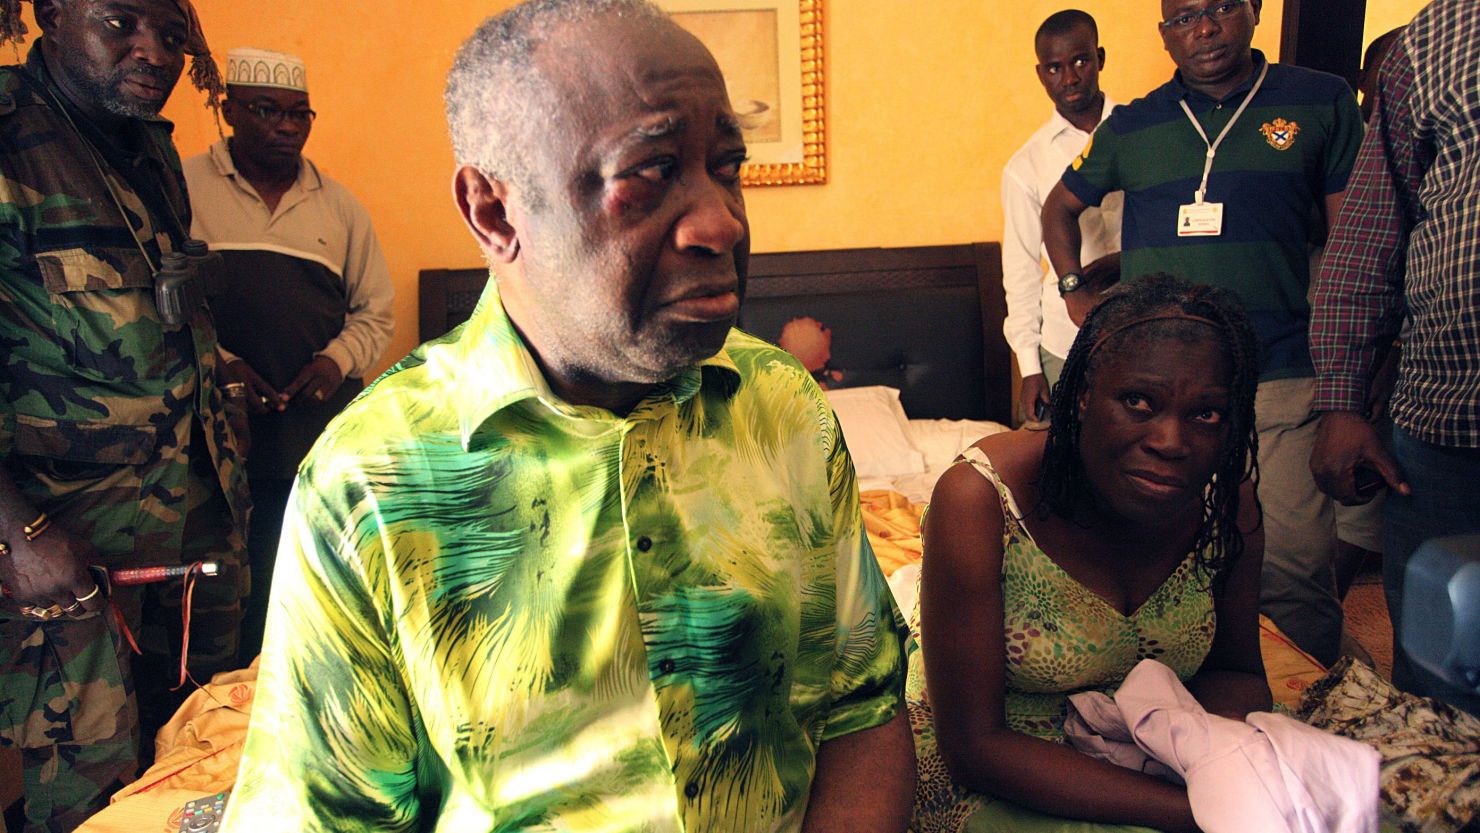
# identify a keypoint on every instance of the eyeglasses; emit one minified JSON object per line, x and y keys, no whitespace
{"x":274,"y":116}
{"x":1217,"y":11}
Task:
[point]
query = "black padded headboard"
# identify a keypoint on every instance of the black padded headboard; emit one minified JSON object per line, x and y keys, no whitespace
{"x":924,"y":319}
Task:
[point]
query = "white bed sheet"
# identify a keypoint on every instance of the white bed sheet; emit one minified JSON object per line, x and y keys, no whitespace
{"x":938,"y":441}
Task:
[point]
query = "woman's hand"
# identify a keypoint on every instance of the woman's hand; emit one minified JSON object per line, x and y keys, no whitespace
{"x":1231,"y":681}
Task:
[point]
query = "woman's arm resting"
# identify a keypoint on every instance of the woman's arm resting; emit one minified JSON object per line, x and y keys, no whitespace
{"x":1231,"y":681}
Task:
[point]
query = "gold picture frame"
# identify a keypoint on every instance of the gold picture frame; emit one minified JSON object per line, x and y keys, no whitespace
{"x":770,"y":52}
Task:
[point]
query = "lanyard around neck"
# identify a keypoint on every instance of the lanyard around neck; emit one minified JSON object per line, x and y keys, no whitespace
{"x":1202,"y":188}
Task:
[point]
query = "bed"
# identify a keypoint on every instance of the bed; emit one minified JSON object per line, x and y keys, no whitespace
{"x":908,"y":343}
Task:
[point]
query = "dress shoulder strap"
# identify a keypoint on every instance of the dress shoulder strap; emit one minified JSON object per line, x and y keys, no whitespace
{"x":983,"y":465}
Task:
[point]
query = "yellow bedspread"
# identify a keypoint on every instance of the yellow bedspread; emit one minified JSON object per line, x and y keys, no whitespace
{"x":893,"y":526}
{"x":196,"y":754}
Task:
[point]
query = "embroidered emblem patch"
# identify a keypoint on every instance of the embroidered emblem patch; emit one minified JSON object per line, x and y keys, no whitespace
{"x":1280,"y":133}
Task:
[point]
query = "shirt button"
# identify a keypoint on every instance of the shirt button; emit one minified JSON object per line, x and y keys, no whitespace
{"x":691,"y":789}
{"x":644,"y":544}
{"x":666,"y":666}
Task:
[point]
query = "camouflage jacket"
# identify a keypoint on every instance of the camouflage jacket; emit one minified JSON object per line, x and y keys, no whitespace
{"x":98,"y":398}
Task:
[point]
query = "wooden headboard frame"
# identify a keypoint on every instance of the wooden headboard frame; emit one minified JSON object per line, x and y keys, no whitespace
{"x":924,"y":319}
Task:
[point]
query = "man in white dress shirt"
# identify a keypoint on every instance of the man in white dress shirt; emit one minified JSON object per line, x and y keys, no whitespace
{"x":1038,"y":328}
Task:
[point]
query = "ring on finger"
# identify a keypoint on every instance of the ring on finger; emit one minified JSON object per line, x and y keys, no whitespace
{"x":72,"y":608}
{"x":97,"y":588}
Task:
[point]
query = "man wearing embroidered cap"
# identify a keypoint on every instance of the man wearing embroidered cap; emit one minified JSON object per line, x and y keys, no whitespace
{"x":115,"y":445}
{"x":307,"y":305}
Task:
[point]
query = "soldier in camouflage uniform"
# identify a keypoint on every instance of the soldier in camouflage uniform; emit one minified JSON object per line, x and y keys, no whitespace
{"x":111,"y":423}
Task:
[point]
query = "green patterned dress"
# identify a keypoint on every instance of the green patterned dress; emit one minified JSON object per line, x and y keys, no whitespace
{"x":1062,"y":638}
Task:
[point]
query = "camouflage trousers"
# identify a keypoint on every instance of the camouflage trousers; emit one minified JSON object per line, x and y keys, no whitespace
{"x":72,"y":694}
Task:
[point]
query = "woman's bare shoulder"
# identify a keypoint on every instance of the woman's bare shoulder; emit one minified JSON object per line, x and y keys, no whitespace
{"x":1015,"y":455}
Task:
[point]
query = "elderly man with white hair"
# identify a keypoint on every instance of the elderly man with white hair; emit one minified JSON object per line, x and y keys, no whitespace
{"x":593,"y":561}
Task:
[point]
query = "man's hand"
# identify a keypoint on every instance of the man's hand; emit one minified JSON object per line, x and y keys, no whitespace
{"x":259,"y":397}
{"x":1080,"y":302}
{"x":316,"y":382}
{"x":51,"y":570}
{"x":864,"y":781}
{"x":1034,"y":392}
{"x":1380,"y":391}
{"x":241,"y":426}
{"x":1099,"y":277}
{"x":1344,"y":442}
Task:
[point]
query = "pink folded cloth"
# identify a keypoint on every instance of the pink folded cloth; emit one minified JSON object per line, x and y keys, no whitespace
{"x":1270,"y":774}
{"x":1095,"y":727}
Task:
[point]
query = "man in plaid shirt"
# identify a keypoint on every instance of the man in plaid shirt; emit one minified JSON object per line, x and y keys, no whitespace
{"x":1408,"y":238}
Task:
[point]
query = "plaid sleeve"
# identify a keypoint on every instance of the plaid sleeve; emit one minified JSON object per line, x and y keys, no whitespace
{"x":1094,"y":172}
{"x":1358,"y":293}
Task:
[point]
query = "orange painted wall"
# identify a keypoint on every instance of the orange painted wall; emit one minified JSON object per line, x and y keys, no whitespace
{"x":925,"y":104}
{"x":1383,"y":15}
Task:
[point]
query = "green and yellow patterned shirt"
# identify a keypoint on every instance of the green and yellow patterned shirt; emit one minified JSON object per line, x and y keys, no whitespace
{"x":495,"y":611}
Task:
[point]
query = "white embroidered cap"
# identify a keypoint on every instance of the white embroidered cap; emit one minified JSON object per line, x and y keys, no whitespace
{"x":263,"y":68}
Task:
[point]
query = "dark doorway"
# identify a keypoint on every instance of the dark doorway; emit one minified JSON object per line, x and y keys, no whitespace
{"x":1324,"y":35}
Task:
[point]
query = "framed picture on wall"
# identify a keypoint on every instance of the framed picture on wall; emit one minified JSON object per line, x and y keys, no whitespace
{"x":770,"y":52}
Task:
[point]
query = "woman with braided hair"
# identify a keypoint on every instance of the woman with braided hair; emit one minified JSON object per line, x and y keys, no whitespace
{"x":1056,"y":560}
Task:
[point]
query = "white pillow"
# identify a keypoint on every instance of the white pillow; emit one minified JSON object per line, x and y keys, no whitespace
{"x":940,"y":440}
{"x":875,"y":428}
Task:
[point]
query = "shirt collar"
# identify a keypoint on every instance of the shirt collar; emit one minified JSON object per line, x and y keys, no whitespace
{"x":1180,"y":90}
{"x":1057,"y":124}
{"x":135,"y":151}
{"x":308,"y":173}
{"x":490,"y":350}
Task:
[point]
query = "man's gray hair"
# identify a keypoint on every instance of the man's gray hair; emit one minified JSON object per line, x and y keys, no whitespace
{"x":493,"y":88}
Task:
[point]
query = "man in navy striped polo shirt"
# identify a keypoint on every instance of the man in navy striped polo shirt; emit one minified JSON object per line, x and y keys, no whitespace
{"x":1231,"y":172}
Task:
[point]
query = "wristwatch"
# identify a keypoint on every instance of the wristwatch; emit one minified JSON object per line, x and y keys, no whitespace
{"x":1070,"y":281}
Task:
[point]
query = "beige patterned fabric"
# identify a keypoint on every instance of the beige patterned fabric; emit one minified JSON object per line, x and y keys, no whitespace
{"x":265,"y":68}
{"x":1430,"y":750}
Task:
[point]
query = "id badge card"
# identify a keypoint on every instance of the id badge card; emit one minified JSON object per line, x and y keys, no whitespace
{"x":1200,"y":219}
